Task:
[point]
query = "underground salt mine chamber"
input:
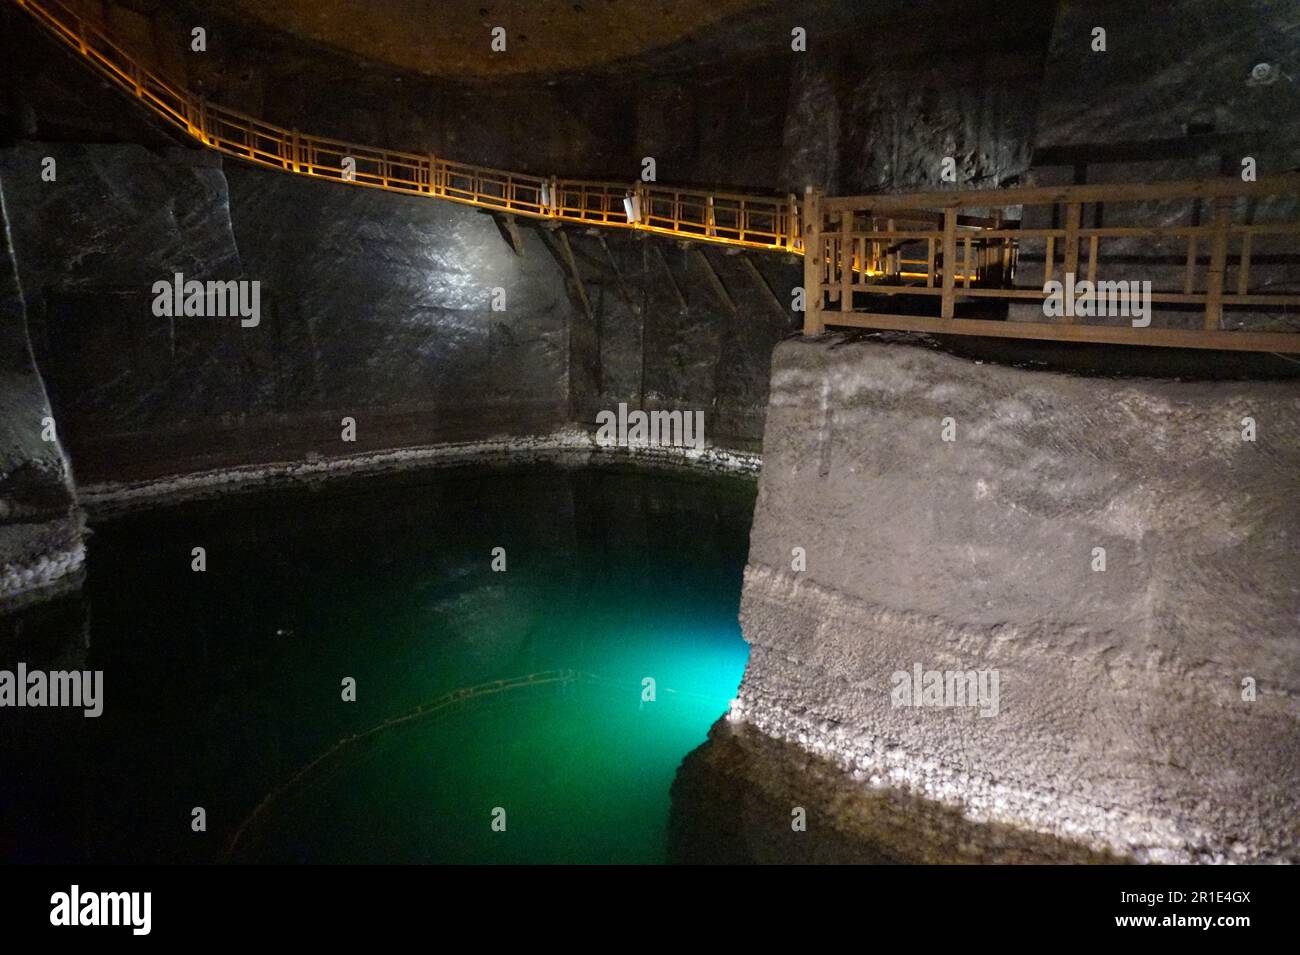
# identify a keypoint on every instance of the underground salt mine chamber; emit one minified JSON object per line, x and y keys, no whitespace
{"x":739,"y":432}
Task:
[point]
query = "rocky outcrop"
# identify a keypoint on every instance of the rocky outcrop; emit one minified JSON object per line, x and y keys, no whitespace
{"x":40,"y":524}
{"x":1119,"y":553}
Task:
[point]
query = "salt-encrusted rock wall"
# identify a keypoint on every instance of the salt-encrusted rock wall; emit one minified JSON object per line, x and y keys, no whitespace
{"x":1124,"y":722}
{"x":374,"y":306}
{"x":40,"y":523}
{"x":661,"y":335}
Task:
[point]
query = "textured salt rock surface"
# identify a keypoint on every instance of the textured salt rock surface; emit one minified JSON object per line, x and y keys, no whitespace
{"x":733,"y":798}
{"x":566,"y":447}
{"x":40,"y":526}
{"x":1121,"y":724}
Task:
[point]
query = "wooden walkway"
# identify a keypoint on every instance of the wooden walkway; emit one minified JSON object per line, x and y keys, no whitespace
{"x":951,"y":252}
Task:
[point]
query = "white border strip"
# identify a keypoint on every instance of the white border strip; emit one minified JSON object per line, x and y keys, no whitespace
{"x":573,"y":446}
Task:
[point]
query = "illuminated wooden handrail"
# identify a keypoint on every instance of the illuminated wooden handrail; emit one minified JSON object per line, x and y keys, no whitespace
{"x":857,"y":248}
{"x":756,"y":222}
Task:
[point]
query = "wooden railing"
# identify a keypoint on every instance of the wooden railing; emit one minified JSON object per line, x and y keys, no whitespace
{"x":1219,"y":256}
{"x":944,"y":247}
{"x":756,"y":222}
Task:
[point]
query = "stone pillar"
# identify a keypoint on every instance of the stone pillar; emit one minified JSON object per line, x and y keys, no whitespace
{"x":1119,"y":555}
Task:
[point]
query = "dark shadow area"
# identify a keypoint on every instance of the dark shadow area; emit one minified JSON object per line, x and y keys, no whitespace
{"x":735,"y":796}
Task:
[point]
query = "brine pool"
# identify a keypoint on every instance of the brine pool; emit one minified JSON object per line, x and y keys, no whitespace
{"x":458,"y":666}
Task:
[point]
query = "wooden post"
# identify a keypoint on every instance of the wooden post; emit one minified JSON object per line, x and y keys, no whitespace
{"x":1070,"y":263}
{"x":578,"y":287}
{"x":642,"y":191}
{"x":1189,"y":276}
{"x":762,"y":284}
{"x":893,"y":260}
{"x":949,"y":262}
{"x":791,"y":222}
{"x":1218,"y":264}
{"x":1243,"y":266}
{"x":1073,"y":217}
{"x":812,"y":262}
{"x":846,"y":260}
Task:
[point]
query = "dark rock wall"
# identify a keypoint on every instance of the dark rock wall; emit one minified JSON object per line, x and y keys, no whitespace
{"x":374,"y":306}
{"x":880,"y":113}
{"x":868,"y":106}
{"x":1171,"y":74}
{"x":89,"y":247}
{"x":384,"y":304}
{"x":654,"y":350}
{"x":40,"y":528}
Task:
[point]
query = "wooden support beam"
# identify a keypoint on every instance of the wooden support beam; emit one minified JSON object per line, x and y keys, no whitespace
{"x":1218,"y":264}
{"x":770,"y":296}
{"x":510,"y":231}
{"x":571,"y":264}
{"x":672,"y":281}
{"x":624,"y":292}
{"x":846,"y":260}
{"x":714,"y":280}
{"x":1073,"y":219}
{"x":1243,"y":266}
{"x":949,"y":262}
{"x":1051,"y":195}
{"x":1055,"y":331}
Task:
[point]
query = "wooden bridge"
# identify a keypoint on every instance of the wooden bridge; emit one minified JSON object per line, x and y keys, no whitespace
{"x":1225,"y":248}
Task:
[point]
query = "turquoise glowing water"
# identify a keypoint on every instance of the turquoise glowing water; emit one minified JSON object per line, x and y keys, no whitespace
{"x":220,"y":686}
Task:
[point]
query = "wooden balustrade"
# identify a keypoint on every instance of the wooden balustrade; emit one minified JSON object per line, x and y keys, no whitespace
{"x":1204,"y":261}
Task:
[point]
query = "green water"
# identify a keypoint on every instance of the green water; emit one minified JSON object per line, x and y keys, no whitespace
{"x":220,"y":686}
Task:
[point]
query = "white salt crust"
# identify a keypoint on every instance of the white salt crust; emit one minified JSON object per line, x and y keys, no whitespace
{"x":570,"y":447}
